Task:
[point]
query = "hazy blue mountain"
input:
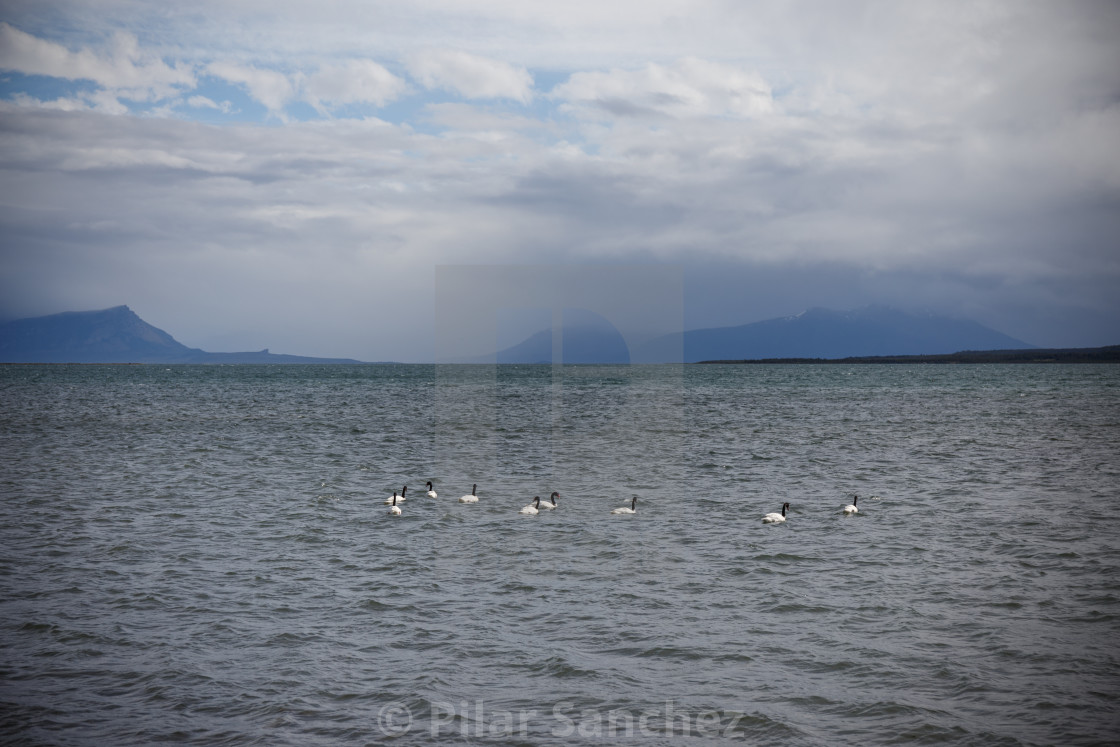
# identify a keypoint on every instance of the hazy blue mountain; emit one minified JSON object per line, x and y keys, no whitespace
{"x":581,"y":344}
{"x":822,"y":333}
{"x":115,"y":335}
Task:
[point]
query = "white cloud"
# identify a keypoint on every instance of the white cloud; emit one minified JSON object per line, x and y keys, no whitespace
{"x":692,"y":87}
{"x":124,"y":68}
{"x":355,"y":81}
{"x":202,"y":102}
{"x":60,"y":104}
{"x":272,"y":89}
{"x":470,"y":75}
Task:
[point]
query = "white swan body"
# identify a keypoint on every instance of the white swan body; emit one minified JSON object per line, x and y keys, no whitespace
{"x":624,"y":510}
{"x":776,"y":518}
{"x":851,"y":507}
{"x":394,"y":499}
{"x":431,"y":490}
{"x":472,"y":498}
{"x":532,"y":509}
{"x":394,"y":510}
{"x":551,"y":498}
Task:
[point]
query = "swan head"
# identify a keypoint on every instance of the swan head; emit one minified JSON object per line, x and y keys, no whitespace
{"x":553,"y":497}
{"x":429,"y":484}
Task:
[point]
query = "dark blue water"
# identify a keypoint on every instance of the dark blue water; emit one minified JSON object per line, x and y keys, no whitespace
{"x":202,"y":555}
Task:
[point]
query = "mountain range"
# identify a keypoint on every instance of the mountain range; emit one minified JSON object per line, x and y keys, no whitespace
{"x":118,"y":335}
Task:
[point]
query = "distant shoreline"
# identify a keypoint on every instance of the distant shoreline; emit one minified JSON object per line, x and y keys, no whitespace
{"x":1109,"y":354}
{"x":199,"y":363}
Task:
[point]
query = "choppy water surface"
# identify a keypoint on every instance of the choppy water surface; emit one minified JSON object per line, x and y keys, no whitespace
{"x":202,"y":555}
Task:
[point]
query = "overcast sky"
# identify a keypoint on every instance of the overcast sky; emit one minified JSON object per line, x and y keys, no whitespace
{"x":270,"y":173}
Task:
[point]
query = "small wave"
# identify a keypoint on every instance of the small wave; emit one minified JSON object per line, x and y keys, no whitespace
{"x":559,"y":667}
{"x":659,"y":652}
{"x":785,"y":558}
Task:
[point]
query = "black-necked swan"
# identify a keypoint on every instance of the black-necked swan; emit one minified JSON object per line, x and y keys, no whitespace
{"x":395,"y":510}
{"x":552,"y":498}
{"x":775,"y":518}
{"x":472,"y":498}
{"x":532,"y":510}
{"x":851,"y":507}
{"x":625,"y":510}
{"x":431,"y":490}
{"x":394,"y":498}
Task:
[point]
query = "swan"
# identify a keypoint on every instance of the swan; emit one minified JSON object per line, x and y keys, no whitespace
{"x":552,"y":498}
{"x":472,"y":498}
{"x":395,"y":510}
{"x":851,"y":507}
{"x":775,"y":518}
{"x":395,"y":498}
{"x":431,"y":490}
{"x":631,"y":510}
{"x":532,"y":510}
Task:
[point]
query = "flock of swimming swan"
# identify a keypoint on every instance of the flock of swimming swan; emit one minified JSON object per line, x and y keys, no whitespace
{"x":537,"y":506}
{"x":776,"y":518}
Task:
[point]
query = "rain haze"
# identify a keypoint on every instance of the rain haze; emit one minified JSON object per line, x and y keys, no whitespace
{"x":292,"y":175}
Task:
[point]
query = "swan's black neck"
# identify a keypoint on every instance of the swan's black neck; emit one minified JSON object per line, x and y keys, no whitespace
{"x":784,"y":507}
{"x":474,"y":488}
{"x":402,"y":490}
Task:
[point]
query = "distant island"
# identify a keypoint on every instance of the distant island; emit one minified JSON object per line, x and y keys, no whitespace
{"x":115,"y":335}
{"x":1108,"y":354}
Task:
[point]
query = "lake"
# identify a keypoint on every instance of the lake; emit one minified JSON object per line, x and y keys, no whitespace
{"x":203,"y":554}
